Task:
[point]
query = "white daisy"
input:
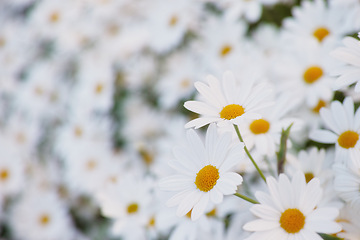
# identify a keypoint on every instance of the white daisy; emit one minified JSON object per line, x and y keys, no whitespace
{"x":344,"y":128}
{"x":204,"y":172}
{"x":349,"y":220}
{"x":227,"y":101}
{"x":350,"y":72}
{"x":347,"y":182}
{"x":290,"y":211}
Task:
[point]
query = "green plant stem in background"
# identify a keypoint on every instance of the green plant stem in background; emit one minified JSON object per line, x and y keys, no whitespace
{"x":246,"y":198}
{"x":248,"y":153}
{"x":328,"y":237}
{"x":281,"y":155}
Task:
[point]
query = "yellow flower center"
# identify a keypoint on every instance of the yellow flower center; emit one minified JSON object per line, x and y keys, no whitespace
{"x":320,"y":105}
{"x":188,"y":215}
{"x":173,"y":21}
{"x":132,"y":208}
{"x":225,"y":50}
{"x":212,"y":213}
{"x":320,"y":33}
{"x":78,"y":132}
{"x":259,"y":126}
{"x":146,"y":156}
{"x":2,"y":42}
{"x":309,"y":176}
{"x":91,"y":164}
{"x":4,"y":174}
{"x":54,"y":17}
{"x":312,"y":74}
{"x":206,"y":178}
{"x":292,"y":220}
{"x":44,"y":219}
{"x":99,"y":88}
{"x":232,"y":111}
{"x":152,"y":222}
{"x":348,"y":139}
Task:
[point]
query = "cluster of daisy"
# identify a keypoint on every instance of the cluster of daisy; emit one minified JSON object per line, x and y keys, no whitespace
{"x":191,"y":119}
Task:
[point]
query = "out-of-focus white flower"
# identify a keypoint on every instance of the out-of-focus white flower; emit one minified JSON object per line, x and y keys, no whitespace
{"x":40,"y":215}
{"x":319,"y":21}
{"x":350,"y":55}
{"x":127,"y":202}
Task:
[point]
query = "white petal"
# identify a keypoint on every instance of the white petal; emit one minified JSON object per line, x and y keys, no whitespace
{"x":323,"y":136}
{"x":216,"y":196}
{"x":200,"y":207}
{"x":261,"y":225}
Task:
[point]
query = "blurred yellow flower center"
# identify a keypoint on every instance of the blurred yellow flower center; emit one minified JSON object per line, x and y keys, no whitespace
{"x":44,"y":219}
{"x":54,"y":17}
{"x":78,"y":132}
{"x":206,"y":178}
{"x":188,"y":215}
{"x":99,"y":88}
{"x":259,"y":126}
{"x":348,"y":139}
{"x":4,"y":174}
{"x":146,"y":156}
{"x":151,"y":222}
{"x":292,"y":220}
{"x":212,"y":213}
{"x":132,"y":208}
{"x":225,"y":50}
{"x":320,"y":105}
{"x":312,"y":74}
{"x":173,"y":21}
{"x":91,"y":165}
{"x":232,"y":111}
{"x":309,"y":176}
{"x":320,"y":33}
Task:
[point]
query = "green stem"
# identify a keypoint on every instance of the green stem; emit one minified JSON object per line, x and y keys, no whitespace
{"x":246,"y":198}
{"x":248,"y":153}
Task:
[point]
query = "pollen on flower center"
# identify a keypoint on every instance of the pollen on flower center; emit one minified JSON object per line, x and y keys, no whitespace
{"x":348,"y":139}
{"x":259,"y":126}
{"x":309,"y":176}
{"x":206,"y":178}
{"x":292,"y":220}
{"x":312,"y":74}
{"x":132,"y":208}
{"x":320,"y":33}
{"x":232,"y":111}
{"x":225,"y":50}
{"x":320,"y":105}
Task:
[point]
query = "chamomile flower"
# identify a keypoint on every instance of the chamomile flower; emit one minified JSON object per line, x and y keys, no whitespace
{"x":349,"y":220}
{"x":227,"y":101}
{"x":346,"y":183}
{"x":350,"y":72}
{"x":344,"y":128}
{"x":290,"y":211}
{"x":205,"y":174}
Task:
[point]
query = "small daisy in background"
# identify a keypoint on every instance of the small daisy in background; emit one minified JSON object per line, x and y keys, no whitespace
{"x":205,"y":174}
{"x":290,"y":211}
{"x":227,"y":101}
{"x":344,"y":131}
{"x":349,"y":54}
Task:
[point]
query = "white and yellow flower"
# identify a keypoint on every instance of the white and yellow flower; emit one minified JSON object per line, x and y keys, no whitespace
{"x":290,"y":211}
{"x":344,"y":130}
{"x":227,"y":101}
{"x":204,"y":172}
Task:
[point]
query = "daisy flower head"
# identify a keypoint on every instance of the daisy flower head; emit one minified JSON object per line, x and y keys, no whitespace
{"x":290,"y":211}
{"x":349,"y":73}
{"x":205,"y":172}
{"x":344,"y":131}
{"x":227,"y":101}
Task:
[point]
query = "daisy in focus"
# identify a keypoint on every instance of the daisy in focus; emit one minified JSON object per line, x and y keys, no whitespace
{"x":227,"y":101}
{"x":350,"y":55}
{"x":344,"y":128}
{"x":205,"y":174}
{"x":290,"y":211}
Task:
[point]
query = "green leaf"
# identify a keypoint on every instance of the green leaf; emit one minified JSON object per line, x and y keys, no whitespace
{"x":328,"y":237}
